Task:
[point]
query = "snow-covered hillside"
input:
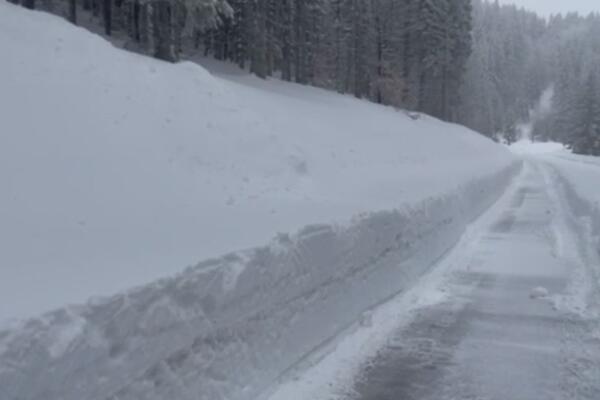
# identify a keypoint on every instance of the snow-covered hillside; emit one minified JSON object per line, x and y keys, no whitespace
{"x":117,"y":170}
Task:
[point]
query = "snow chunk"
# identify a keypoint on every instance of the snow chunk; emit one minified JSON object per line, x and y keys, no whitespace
{"x":527,"y":147}
{"x":539,"y":293}
{"x":63,"y":335}
{"x":232,"y":272}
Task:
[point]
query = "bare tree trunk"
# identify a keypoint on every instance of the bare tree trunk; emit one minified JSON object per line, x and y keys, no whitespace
{"x":421,"y":91}
{"x":163,"y":35}
{"x":149,"y":27}
{"x":379,"y":95}
{"x":107,"y":14}
{"x":299,"y":52}
{"x":407,"y":55}
{"x":444,"y":111}
{"x":73,"y":11}
{"x":136,"y":20}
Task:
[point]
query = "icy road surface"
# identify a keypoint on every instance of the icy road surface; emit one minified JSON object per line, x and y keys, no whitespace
{"x":510,"y":314}
{"x":513,"y":326}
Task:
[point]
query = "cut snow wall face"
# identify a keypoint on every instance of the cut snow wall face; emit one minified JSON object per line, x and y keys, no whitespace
{"x":229,"y":328}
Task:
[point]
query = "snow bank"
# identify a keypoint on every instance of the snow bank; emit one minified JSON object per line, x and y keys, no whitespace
{"x":119,"y":170}
{"x":527,"y":147}
{"x":198,"y":335}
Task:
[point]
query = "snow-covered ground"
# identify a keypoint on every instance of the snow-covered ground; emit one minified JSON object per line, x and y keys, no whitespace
{"x":117,"y":170}
{"x":529,"y":148}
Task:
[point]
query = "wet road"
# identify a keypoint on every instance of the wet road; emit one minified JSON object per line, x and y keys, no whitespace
{"x":511,"y":329}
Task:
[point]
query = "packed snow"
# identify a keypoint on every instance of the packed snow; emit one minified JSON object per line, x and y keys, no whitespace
{"x":139,"y":168}
{"x":539,"y":293}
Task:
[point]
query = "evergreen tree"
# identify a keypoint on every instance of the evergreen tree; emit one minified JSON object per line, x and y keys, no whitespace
{"x":406,"y":53}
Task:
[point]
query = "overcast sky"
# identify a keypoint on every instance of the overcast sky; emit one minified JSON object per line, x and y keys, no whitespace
{"x":547,"y":7}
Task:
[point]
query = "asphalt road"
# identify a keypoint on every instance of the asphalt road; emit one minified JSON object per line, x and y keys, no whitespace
{"x":513,"y":327}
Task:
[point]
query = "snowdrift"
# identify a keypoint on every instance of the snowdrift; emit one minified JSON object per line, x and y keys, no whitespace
{"x":119,"y":170}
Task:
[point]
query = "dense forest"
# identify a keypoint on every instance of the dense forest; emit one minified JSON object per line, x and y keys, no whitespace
{"x":575,"y":75}
{"x":474,"y":62}
{"x":517,"y":57}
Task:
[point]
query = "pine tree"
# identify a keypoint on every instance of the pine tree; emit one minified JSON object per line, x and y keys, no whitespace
{"x":73,"y":11}
{"x":407,"y":53}
{"x":29,"y":4}
{"x":585,"y":132}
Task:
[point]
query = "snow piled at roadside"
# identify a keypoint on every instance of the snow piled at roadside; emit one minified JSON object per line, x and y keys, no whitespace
{"x":139,"y":167}
{"x":118,"y":170}
{"x":332,"y":373}
{"x":191,"y":336}
{"x":527,"y":147}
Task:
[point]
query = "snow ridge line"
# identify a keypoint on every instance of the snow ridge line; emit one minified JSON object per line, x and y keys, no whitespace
{"x":228,"y":328}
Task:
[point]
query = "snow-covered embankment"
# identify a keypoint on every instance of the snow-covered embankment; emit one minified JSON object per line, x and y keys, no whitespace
{"x":229,"y":327}
{"x":119,"y":169}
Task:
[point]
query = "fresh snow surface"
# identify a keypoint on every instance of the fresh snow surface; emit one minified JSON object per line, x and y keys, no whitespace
{"x":118,"y":170}
{"x":539,"y":293}
{"x":527,"y":147}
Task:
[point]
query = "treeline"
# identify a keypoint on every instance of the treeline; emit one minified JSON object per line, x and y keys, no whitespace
{"x":575,"y":115}
{"x":517,"y":56}
{"x":160,"y":28}
{"x":478,"y":63}
{"x":507,"y":71}
{"x":407,"y":53}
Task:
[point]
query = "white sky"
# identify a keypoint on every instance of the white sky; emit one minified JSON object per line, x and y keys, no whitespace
{"x":547,"y":7}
